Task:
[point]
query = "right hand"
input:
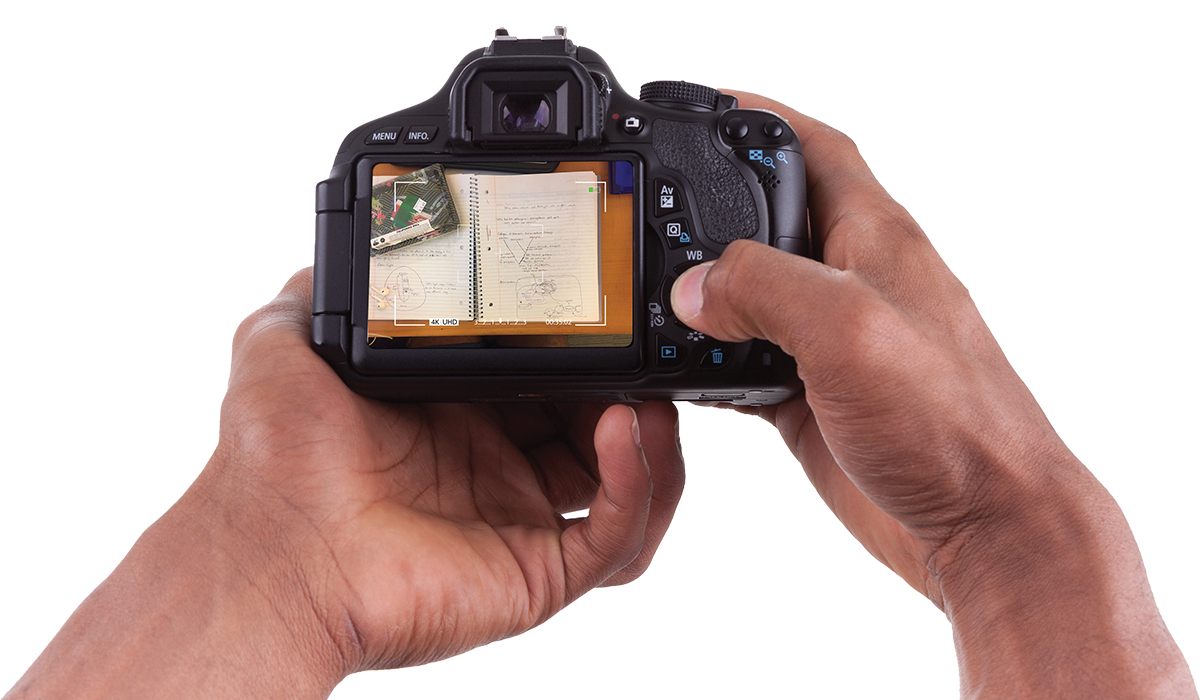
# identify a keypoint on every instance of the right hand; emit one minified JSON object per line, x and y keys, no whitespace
{"x":911,"y":411}
{"x":918,"y":434}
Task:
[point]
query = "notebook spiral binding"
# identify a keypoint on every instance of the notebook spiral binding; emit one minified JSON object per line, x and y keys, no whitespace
{"x":473,"y":205}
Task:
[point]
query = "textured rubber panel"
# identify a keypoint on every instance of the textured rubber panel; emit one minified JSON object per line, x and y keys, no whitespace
{"x":727,"y":210}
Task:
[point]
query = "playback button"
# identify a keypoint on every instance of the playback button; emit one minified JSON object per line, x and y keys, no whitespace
{"x":668,"y":353}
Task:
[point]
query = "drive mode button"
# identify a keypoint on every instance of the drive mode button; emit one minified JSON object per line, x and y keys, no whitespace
{"x":420,"y":134}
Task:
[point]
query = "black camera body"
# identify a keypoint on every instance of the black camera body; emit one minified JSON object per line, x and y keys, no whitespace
{"x":577,"y":207}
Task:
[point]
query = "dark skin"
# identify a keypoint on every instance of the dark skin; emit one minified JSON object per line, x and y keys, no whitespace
{"x":929,"y":448}
{"x":331,"y":533}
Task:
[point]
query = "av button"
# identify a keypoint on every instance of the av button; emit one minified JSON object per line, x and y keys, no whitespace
{"x":420,"y":134}
{"x":668,"y":198}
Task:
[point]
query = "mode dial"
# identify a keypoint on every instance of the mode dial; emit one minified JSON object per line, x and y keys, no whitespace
{"x":677,"y":94}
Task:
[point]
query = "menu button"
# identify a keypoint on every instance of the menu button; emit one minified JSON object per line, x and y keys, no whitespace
{"x":388,"y":135}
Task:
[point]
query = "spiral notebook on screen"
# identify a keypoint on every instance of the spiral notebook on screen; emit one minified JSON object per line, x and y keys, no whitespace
{"x":527,"y":250}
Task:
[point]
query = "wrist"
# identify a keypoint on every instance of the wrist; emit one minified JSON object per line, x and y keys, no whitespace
{"x":1048,"y":597}
{"x":195,"y":610}
{"x":260,"y":599}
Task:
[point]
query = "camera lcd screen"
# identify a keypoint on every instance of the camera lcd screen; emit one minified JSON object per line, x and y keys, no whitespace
{"x":501,"y":255}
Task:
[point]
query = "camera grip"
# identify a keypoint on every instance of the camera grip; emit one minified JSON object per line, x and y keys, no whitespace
{"x":724,"y":202}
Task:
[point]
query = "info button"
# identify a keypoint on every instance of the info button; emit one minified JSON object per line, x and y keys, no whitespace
{"x":420,"y":134}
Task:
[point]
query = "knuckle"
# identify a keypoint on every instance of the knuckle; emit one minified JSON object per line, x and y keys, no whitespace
{"x":882,"y":239}
{"x":284,"y":312}
{"x":668,"y":486}
{"x":258,"y":321}
{"x":868,"y":325}
{"x":249,"y":326}
{"x":885,"y":221}
{"x":292,"y":303}
{"x":838,"y":139}
{"x":867,"y":334}
{"x":615,"y":548}
{"x":629,"y":574}
{"x":301,"y":280}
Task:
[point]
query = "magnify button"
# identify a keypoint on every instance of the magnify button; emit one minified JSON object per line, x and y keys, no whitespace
{"x":782,"y":157}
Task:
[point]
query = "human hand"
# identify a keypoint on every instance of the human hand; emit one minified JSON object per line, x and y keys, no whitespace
{"x":925,"y":443}
{"x":331,"y":533}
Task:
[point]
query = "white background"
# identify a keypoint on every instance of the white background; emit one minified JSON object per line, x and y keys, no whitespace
{"x":157,"y":185}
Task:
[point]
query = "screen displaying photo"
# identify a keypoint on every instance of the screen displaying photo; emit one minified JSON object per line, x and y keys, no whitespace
{"x":520,"y":255}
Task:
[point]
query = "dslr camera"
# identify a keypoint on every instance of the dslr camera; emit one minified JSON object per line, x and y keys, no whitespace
{"x":516,"y":236}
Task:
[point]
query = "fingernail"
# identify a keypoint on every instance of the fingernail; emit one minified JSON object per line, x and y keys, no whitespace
{"x":687,"y":294}
{"x":635,"y":428}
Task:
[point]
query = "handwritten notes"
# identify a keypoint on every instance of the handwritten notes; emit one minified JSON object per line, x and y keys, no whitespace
{"x":529,"y":251}
{"x":538,"y":253}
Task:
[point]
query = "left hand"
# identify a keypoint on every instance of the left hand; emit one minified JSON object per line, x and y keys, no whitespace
{"x":426,"y":530}
{"x":332,"y":533}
